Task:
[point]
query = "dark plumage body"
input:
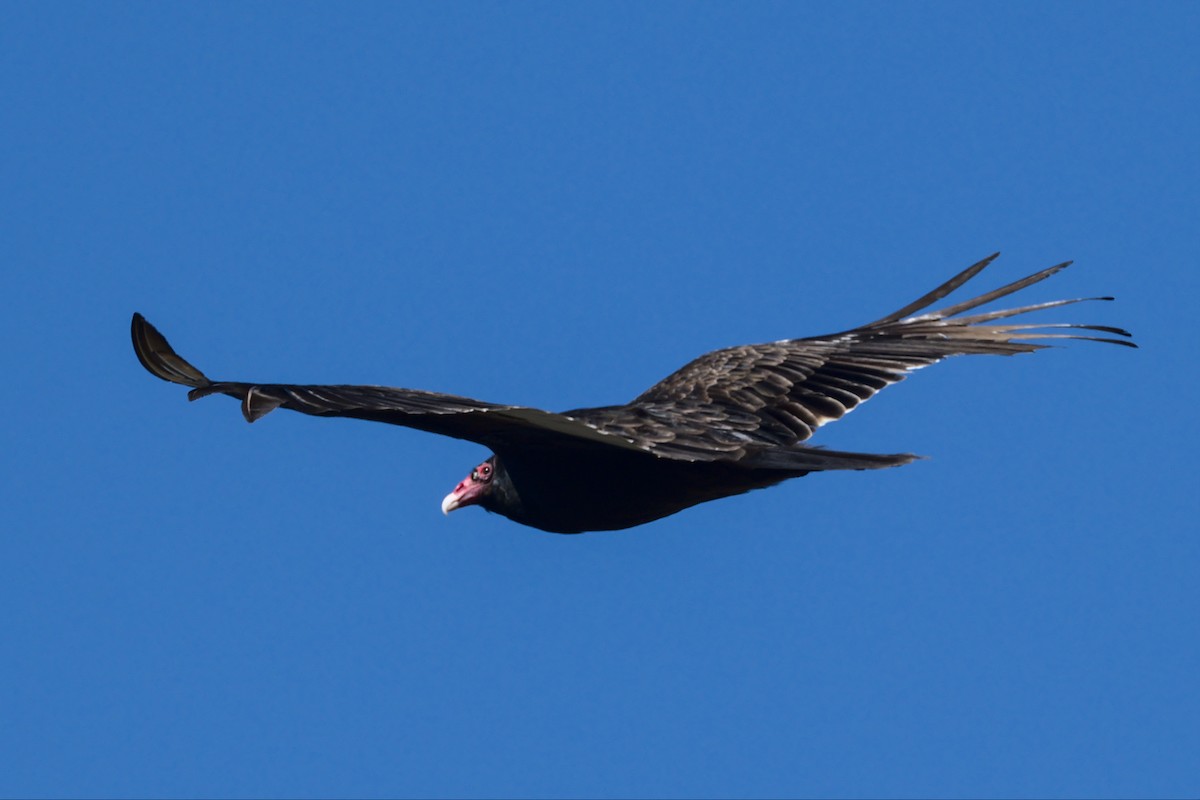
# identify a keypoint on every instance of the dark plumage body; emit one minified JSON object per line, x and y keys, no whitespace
{"x":728,"y":422}
{"x":554,"y":498}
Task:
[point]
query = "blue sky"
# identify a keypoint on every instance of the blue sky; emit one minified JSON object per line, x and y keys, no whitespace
{"x":556,"y":205}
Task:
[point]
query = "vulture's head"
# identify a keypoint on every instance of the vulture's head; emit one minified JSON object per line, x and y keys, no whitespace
{"x":478,"y":488}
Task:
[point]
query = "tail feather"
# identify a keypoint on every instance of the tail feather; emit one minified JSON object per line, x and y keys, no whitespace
{"x":818,"y":459}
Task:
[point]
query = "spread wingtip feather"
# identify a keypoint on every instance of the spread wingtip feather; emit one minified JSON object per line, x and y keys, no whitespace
{"x":158,"y":357}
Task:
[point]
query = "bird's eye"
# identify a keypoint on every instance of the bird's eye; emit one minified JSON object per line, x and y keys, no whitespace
{"x":485,"y":470}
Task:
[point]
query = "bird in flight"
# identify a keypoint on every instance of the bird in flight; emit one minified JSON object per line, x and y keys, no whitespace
{"x":730,"y":421}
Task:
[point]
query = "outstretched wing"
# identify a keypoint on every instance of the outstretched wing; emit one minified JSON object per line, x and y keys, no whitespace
{"x":491,"y":424}
{"x":752,"y":403}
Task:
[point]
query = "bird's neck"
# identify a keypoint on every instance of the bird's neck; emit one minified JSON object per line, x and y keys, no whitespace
{"x":503,"y":499}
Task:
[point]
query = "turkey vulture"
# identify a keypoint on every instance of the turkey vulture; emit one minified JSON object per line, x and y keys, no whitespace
{"x":730,"y":421}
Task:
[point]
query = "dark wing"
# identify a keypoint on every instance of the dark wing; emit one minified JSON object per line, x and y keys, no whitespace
{"x":491,"y":424}
{"x":752,"y":403}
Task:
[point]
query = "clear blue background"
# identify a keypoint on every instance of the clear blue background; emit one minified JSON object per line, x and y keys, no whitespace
{"x":556,"y":205}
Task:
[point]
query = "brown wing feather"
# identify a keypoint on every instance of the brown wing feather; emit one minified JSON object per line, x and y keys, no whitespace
{"x":737,"y":401}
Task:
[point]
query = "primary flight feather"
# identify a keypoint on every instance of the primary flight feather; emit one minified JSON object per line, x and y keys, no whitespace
{"x":730,"y":421}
